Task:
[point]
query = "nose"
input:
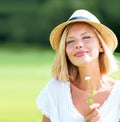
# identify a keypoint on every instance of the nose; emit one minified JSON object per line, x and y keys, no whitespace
{"x":78,"y":44}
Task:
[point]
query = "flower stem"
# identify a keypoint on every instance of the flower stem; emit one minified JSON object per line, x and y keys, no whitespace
{"x":92,"y":92}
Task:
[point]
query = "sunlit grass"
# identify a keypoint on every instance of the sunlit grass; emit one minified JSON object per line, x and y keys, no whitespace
{"x":22,"y":76}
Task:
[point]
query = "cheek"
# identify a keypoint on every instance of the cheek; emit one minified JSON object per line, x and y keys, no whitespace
{"x":94,"y":47}
{"x":96,"y":43}
{"x":95,"y":53}
{"x":69,"y":53}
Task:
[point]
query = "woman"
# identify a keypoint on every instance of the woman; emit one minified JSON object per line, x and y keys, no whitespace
{"x":80,"y":90}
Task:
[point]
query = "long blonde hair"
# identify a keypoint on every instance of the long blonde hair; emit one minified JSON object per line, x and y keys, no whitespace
{"x":64,"y":70}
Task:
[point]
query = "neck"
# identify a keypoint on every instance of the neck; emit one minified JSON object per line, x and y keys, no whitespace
{"x":91,"y":71}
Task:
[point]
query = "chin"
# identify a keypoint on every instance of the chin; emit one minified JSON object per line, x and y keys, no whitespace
{"x":82,"y":63}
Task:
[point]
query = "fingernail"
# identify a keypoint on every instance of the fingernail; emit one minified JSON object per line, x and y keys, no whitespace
{"x":95,"y":105}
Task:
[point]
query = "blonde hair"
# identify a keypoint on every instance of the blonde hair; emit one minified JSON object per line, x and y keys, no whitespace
{"x":60,"y":67}
{"x":64,"y":70}
{"x":107,"y":60}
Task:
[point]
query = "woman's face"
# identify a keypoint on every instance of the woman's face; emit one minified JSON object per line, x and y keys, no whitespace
{"x":82,"y":44}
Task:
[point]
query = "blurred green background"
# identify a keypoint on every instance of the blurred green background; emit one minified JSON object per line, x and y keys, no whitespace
{"x":25,"y":53}
{"x":29,"y":22}
{"x":22,"y":76}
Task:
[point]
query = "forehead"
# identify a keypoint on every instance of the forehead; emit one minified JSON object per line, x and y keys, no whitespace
{"x":80,"y":26}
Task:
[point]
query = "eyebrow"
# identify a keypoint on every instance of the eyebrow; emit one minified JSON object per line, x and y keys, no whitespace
{"x":86,"y":33}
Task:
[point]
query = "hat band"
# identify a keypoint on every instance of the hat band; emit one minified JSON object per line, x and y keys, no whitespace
{"x":78,"y":18}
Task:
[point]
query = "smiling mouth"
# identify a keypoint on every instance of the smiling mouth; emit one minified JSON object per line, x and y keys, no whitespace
{"x":81,"y":53}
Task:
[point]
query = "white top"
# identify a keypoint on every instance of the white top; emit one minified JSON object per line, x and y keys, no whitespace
{"x":55,"y":102}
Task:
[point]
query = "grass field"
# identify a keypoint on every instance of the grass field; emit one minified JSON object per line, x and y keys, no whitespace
{"x":23,"y":73}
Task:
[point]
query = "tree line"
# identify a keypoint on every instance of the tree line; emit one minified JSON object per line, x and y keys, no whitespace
{"x":31,"y":21}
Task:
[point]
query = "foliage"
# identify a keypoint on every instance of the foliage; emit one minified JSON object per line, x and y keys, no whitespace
{"x":31,"y":21}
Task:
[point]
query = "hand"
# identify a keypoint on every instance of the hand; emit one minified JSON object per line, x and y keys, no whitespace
{"x":93,"y":114}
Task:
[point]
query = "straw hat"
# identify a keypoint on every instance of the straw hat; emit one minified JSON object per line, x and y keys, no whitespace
{"x":84,"y":16}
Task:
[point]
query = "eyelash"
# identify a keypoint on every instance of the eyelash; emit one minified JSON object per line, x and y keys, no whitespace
{"x":86,"y":37}
{"x":70,"y":41}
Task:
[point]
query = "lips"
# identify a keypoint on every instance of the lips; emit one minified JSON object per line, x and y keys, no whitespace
{"x":80,"y":53}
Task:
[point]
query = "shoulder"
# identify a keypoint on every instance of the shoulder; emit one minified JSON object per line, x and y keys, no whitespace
{"x":111,"y":82}
{"x":118,"y":84}
{"x":52,"y":92}
{"x":54,"y":83}
{"x":55,"y":86}
{"x":115,"y":84}
{"x":114,"y":87}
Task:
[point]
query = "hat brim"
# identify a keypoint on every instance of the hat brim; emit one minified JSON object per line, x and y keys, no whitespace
{"x":107,"y":34}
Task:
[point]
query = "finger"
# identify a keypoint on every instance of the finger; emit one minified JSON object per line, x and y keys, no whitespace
{"x":97,"y":118}
{"x":94,"y":114}
{"x":93,"y":107}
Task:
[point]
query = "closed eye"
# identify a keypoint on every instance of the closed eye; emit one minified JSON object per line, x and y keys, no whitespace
{"x":70,"y":41}
{"x":86,"y":37}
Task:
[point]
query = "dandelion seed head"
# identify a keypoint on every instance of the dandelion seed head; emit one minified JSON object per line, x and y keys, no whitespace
{"x":87,"y":78}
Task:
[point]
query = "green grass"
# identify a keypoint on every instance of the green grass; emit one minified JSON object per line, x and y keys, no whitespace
{"x":23,"y":74}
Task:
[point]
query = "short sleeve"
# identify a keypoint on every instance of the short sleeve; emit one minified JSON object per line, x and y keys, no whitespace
{"x":47,"y":101}
{"x":43,"y":103}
